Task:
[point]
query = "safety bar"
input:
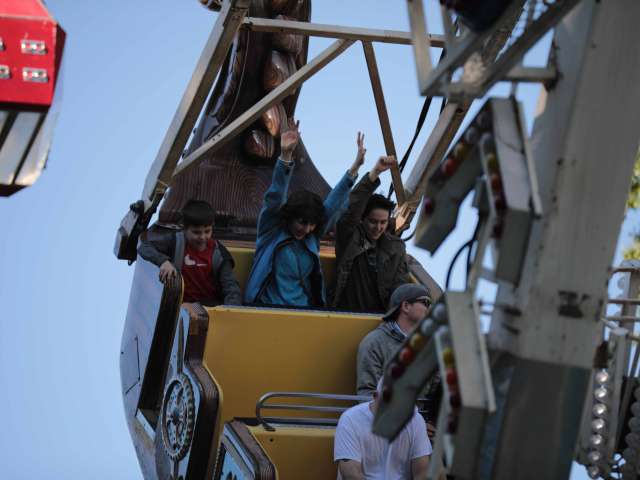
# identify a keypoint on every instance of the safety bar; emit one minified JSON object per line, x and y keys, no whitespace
{"x":309,"y":408}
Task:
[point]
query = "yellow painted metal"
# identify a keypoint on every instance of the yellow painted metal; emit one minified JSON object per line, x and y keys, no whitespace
{"x":243,"y":257}
{"x":252,"y":351}
{"x":299,"y":452}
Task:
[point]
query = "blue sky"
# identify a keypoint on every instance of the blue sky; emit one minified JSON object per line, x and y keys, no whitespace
{"x":63,"y":295}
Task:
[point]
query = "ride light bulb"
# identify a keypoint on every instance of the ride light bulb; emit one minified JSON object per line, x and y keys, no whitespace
{"x":492,"y":163}
{"x":602,"y":377}
{"x":601,"y":393}
{"x":500,"y":202}
{"x":439,"y":313}
{"x":633,"y":440}
{"x":452,"y":377}
{"x":386,"y":393}
{"x":426,"y":327}
{"x":595,"y":456}
{"x":634,"y":425}
{"x":600,"y":409}
{"x":406,"y":356}
{"x":635,"y":409}
{"x":471,"y":136}
{"x":636,"y":393}
{"x":596,"y":440}
{"x":455,"y":401}
{"x":417,"y":341}
{"x":598,"y":425}
{"x":397,"y":369}
{"x":447,"y":357}
{"x":593,"y":471}
{"x":449,"y":166}
{"x":496,"y":182}
{"x":428,"y":205}
{"x":460,"y":151}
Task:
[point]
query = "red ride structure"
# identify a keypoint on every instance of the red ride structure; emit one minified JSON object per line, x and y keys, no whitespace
{"x":31,"y":44}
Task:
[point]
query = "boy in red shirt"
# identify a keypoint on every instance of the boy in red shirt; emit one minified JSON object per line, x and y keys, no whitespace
{"x":205,"y":264}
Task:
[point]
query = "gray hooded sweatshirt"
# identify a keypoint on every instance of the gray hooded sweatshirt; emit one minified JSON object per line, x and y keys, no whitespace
{"x":375,"y":350}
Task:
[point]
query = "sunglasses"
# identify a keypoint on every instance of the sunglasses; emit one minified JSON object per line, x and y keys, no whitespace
{"x":424,"y":300}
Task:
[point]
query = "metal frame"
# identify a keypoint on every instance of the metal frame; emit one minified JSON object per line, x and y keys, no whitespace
{"x":232,"y":17}
{"x":262,"y":404}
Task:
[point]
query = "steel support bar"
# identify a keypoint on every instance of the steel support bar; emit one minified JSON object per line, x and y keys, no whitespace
{"x":276,"y":95}
{"x":531,"y":35}
{"x":215,"y":51}
{"x":419,"y":33}
{"x":383,"y":116}
{"x":336,"y":31}
{"x":531,"y":75}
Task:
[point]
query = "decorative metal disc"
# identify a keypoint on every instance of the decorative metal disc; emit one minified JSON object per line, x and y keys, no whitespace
{"x":178,"y":407}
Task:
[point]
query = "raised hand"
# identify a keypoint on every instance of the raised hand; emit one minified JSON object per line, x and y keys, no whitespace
{"x":357,"y":163}
{"x":384,"y":163}
{"x":289,"y":137}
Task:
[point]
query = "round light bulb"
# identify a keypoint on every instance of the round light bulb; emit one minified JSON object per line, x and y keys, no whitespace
{"x":633,"y":440}
{"x":630,"y":454}
{"x":636,"y":393}
{"x":634,"y":425}
{"x":635,"y":409}
{"x":600,"y":409}
{"x":596,"y":440}
{"x":601,"y":393}
{"x":594,"y":456}
{"x":602,"y":377}
{"x":593,"y":471}
{"x":598,"y":425}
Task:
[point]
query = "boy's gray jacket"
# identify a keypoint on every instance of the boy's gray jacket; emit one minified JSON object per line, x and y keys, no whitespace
{"x":375,"y":350}
{"x":170,"y":246}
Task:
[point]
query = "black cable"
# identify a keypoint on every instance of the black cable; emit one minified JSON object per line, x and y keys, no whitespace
{"x":421,"y":119}
{"x":467,"y":244}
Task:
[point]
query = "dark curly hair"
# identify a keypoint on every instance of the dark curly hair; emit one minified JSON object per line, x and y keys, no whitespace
{"x":304,"y":205}
{"x":378,"y":201}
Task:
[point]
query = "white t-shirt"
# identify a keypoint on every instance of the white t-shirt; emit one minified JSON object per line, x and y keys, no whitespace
{"x":379,"y":459}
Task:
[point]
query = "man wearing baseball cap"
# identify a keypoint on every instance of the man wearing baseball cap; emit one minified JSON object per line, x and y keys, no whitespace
{"x":408,"y":305}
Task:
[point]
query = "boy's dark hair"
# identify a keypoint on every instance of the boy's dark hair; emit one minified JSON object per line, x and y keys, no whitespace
{"x":197,"y":213}
{"x":378,"y":201}
{"x":304,"y":205}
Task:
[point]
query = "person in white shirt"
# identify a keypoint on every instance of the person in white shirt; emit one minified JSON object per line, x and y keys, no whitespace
{"x":362,"y":455}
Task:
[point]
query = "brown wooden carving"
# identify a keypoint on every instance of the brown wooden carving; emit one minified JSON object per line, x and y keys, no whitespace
{"x":259,"y":143}
{"x":264,"y":469}
{"x":233,"y":179}
{"x":273,"y":119}
{"x":278,"y":68}
{"x":283,"y":6}
{"x":287,"y":42}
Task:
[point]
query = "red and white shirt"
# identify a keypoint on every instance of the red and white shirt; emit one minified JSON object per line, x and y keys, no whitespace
{"x":197,"y":273}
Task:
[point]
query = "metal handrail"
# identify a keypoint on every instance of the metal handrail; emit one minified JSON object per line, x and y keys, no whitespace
{"x":309,"y":408}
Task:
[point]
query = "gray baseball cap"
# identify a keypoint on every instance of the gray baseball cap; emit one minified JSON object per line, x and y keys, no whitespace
{"x":404,"y":293}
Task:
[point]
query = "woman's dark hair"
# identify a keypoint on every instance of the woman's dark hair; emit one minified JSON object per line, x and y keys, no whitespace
{"x":304,"y":205}
{"x":197,"y":213}
{"x":378,"y":201}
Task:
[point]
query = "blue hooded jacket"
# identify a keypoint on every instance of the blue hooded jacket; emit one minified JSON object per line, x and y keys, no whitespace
{"x":272,"y":234}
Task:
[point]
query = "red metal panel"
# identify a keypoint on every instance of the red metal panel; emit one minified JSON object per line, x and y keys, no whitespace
{"x":23,"y":8}
{"x":16,"y":89}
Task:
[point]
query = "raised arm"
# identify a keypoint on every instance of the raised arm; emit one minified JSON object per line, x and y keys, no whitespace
{"x":359,"y":197}
{"x":276,"y":195}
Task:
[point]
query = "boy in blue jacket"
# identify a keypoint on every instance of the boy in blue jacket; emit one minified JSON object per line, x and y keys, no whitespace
{"x":286,"y":267}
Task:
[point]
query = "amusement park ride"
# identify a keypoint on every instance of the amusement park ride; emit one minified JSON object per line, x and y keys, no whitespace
{"x":31,"y":45}
{"x":553,"y":381}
